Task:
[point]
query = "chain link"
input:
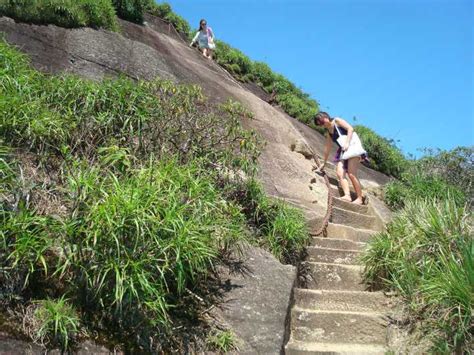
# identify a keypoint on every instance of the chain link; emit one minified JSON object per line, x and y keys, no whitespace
{"x":328,"y":215}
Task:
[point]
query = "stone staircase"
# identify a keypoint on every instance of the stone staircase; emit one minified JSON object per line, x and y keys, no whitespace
{"x":335,"y":314}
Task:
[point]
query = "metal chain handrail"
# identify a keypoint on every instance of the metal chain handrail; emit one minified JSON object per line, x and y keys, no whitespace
{"x":328,"y":215}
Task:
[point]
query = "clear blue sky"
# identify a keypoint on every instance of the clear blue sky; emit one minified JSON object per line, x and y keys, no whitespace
{"x":402,"y":67}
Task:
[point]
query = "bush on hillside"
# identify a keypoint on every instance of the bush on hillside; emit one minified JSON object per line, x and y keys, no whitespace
{"x":131,"y":10}
{"x":165,"y":12}
{"x":383,"y":154}
{"x":456,"y":167}
{"x":237,"y":63}
{"x":263,"y":76}
{"x":64,"y":13}
{"x":426,"y":255}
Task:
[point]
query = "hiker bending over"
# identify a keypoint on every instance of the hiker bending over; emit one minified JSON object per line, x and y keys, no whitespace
{"x":205,"y":39}
{"x":348,"y":156}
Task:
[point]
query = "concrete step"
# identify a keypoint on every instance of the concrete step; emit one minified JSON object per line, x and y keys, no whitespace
{"x":353,"y":219}
{"x":326,"y":300}
{"x":336,"y":327}
{"x":339,"y":231}
{"x":338,"y":192}
{"x":333,"y":256}
{"x":346,"y":205}
{"x":326,"y":276}
{"x":305,"y":348}
{"x":332,"y":243}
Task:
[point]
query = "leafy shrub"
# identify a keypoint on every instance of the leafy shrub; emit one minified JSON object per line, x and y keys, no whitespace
{"x":64,"y":13}
{"x":56,"y":323}
{"x":383,"y":154}
{"x":165,"y":12}
{"x":237,"y":63}
{"x":426,"y":254}
{"x":131,"y":10}
{"x":263,"y":76}
{"x":297,"y":107}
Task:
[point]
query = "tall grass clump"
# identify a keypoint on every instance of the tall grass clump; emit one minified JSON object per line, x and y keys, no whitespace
{"x":64,"y":13}
{"x":281,"y":227}
{"x":435,"y":176}
{"x":426,"y":255}
{"x":143,"y":239}
{"x":54,"y":323}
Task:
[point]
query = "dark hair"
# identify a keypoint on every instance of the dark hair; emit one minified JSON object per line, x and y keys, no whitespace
{"x":319,"y":116}
{"x":200,"y":24}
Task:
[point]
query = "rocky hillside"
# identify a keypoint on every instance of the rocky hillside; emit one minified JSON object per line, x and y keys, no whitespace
{"x":157,"y":50}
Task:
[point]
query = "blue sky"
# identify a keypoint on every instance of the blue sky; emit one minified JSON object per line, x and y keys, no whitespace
{"x":401,"y":67}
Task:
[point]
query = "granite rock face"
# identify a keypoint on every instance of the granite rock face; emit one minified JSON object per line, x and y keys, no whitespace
{"x":256,"y":301}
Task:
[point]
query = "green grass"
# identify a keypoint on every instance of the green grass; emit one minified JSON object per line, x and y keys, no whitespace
{"x":426,"y":255}
{"x":222,"y":341}
{"x":56,"y":322}
{"x":281,"y":227}
{"x":64,"y":13}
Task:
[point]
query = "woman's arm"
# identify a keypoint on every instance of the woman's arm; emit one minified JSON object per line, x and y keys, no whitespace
{"x":194,"y":39}
{"x":327,"y":149}
{"x":342,"y":123}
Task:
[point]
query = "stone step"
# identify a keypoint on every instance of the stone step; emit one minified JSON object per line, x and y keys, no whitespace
{"x":338,"y":192}
{"x":305,"y":348}
{"x":339,"y":231}
{"x":333,"y":256}
{"x":353,"y":219}
{"x":326,"y":276}
{"x":332,"y":243}
{"x":346,"y":205}
{"x":326,"y":300}
{"x":334,"y":327}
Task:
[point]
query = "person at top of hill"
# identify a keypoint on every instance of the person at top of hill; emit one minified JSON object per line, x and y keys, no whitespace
{"x":205,"y":39}
{"x":348,"y":156}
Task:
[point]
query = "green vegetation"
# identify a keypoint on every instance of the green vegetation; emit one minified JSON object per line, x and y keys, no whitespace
{"x":435,"y":176}
{"x":165,"y":12}
{"x":56,"y":322}
{"x":426,"y":255}
{"x":121,"y":196}
{"x":384,"y":155}
{"x":223,"y":341}
{"x":281,"y":228}
{"x":131,"y":10}
{"x":64,"y":13}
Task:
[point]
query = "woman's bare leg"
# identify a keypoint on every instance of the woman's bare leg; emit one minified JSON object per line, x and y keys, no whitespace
{"x":210,"y":53}
{"x":353,"y":166}
{"x":341,"y":175}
